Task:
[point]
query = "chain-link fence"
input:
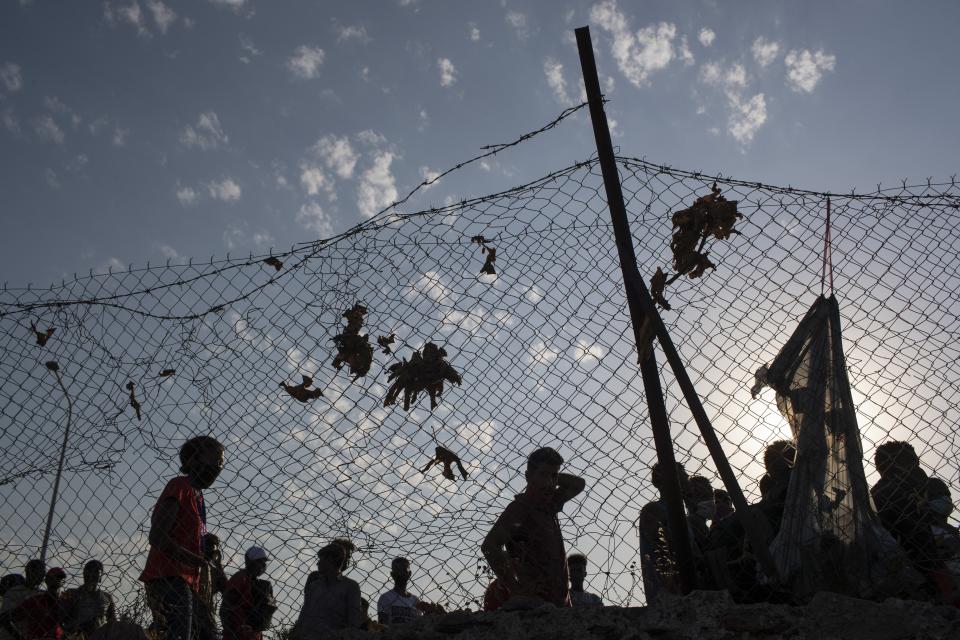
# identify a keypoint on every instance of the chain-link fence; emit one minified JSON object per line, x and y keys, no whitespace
{"x":544,"y":347}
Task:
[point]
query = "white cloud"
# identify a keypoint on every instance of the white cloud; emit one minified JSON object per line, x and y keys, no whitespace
{"x":806,"y":68}
{"x":637,"y":56}
{"x":47,"y":129}
{"x":206,"y":134}
{"x":50,"y":176}
{"x":448,"y":73}
{"x":168,"y":252}
{"x":377,"y":187}
{"x":746,"y":117}
{"x":587,"y":351}
{"x":706,"y":36}
{"x":247,"y":45}
{"x":337,"y":153}
{"x":187,"y":196}
{"x":11,"y":77}
{"x":350,"y":32}
{"x":371,"y":138}
{"x":305,"y":62}
{"x":315,"y":180}
{"x":226,"y":190}
{"x":131,"y":14}
{"x":430,"y":284}
{"x":120,"y":136}
{"x":540,"y":353}
{"x":554,"y":72}
{"x":312,"y":216}
{"x":163,"y":15}
{"x":429,"y":175}
{"x":236,"y":237}
{"x":9,"y":121}
{"x":474,"y":33}
{"x":424,"y":120}
{"x":236,"y":5}
{"x":684,"y":53}
{"x":518,"y":22}
{"x":764,"y":51}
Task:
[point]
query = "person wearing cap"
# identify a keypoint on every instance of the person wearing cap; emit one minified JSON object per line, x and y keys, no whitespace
{"x":16,"y":594}
{"x":238,"y":597}
{"x":87,"y":608}
{"x":332,"y":601}
{"x":38,"y":618}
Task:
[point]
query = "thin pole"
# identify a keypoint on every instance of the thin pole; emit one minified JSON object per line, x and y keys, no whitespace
{"x":52,"y":366}
{"x":659,"y":422}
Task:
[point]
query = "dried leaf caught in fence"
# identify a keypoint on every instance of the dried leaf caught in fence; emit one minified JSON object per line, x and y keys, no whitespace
{"x":447,"y":458}
{"x":424,"y":372}
{"x":41,"y":336}
{"x":487,"y":267}
{"x":300,"y":392}
{"x":273,"y":262}
{"x":133,"y":400}
{"x":657,"y":284}
{"x":385,"y":342}
{"x":353,"y":349}
{"x":166,"y":373}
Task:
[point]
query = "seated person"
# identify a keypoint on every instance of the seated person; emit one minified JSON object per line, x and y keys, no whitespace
{"x":331,"y":602}
{"x":577,"y":568}
{"x":397,"y":605}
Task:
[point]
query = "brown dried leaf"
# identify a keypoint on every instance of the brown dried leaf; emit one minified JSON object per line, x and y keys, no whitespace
{"x":657,"y":284}
{"x":300,"y":392}
{"x":133,"y":400}
{"x":447,"y":458}
{"x":166,"y":373}
{"x":487,"y":267}
{"x":41,"y":336}
{"x":385,"y":342}
{"x":273,"y":262}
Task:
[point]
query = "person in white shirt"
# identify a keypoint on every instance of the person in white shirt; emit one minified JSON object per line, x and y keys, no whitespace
{"x":398,"y":606}
{"x":577,"y":568}
{"x":331,"y":601}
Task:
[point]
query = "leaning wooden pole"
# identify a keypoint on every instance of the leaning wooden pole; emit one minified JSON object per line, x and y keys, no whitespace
{"x":676,"y":516}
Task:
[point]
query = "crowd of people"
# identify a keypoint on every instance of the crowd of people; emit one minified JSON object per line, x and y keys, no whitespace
{"x":525,"y":551}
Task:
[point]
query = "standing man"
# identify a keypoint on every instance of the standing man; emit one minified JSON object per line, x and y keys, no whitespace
{"x":525,"y":546}
{"x":331,"y":602}
{"x":398,"y":605}
{"x":238,"y":598}
{"x":179,"y":522}
{"x":87,"y":608}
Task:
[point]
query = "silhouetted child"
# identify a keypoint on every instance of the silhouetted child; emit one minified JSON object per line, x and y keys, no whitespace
{"x":17,"y":593}
{"x":38,"y":617}
{"x":524,"y":548}
{"x":87,"y":608}
{"x":172,"y":573}
{"x":398,"y":605}
{"x":577,"y":568}
{"x":700,"y":509}
{"x":332,"y":601}
{"x":658,"y":561}
{"x":239,"y":609}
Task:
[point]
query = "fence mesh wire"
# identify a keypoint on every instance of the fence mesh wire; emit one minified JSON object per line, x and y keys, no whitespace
{"x":546,"y":354}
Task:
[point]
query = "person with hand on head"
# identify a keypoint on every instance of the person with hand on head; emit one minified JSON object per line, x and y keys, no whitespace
{"x":398,"y":605}
{"x":331,"y":601}
{"x":179,"y":522}
{"x":577,"y":567}
{"x":87,"y":608}
{"x":17,"y":593}
{"x":524,"y":548}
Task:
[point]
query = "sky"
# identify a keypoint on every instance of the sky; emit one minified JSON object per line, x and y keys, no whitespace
{"x":138,"y":131}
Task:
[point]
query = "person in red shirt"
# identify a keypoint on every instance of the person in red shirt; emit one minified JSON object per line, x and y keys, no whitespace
{"x":172,"y":573}
{"x":38,"y":618}
{"x":238,"y":597}
{"x":525,"y":546}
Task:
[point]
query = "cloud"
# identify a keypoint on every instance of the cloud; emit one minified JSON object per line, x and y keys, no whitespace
{"x":423,"y":120}
{"x":540,"y":353}
{"x":9,"y":121}
{"x":448,"y":73}
{"x":305,"y":62}
{"x":706,"y":36}
{"x":236,"y":237}
{"x":312,"y":216}
{"x":637,"y":56}
{"x":805,"y":68}
{"x":377,"y":188}
{"x":236,"y":5}
{"x":187,"y":196}
{"x":764,"y":51}
{"x":429,"y":175}
{"x":206,"y":134}
{"x":10,"y":76}
{"x":50,"y":176}
{"x":314,"y":180}
{"x":247,"y":45}
{"x":350,"y":32}
{"x":163,"y":15}
{"x":684,"y":53}
{"x":131,"y":14}
{"x":746,"y":117}
{"x":554,"y":72}
{"x":120,"y":136}
{"x":47,"y":129}
{"x":226,"y":190}
{"x":168,"y":252}
{"x":518,"y":22}
{"x":371,"y":137}
{"x":337,"y":154}
{"x":474,"y":33}
{"x":587,"y":351}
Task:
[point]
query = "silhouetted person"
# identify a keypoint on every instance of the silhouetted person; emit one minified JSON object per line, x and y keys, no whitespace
{"x":10,"y":580}
{"x":658,"y":560}
{"x":577,"y":568}
{"x":778,"y":459}
{"x":939,"y":507}
{"x":38,"y":617}
{"x":172,"y":573}
{"x":700,"y":509}
{"x":495,"y":595}
{"x":398,"y":605}
{"x":17,"y":593}
{"x":900,"y":497}
{"x":723,"y":507}
{"x":212,"y":581}
{"x":348,"y":549}
{"x":239,"y":611}
{"x":525,"y":546}
{"x":87,"y":608}
{"x":332,"y":601}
